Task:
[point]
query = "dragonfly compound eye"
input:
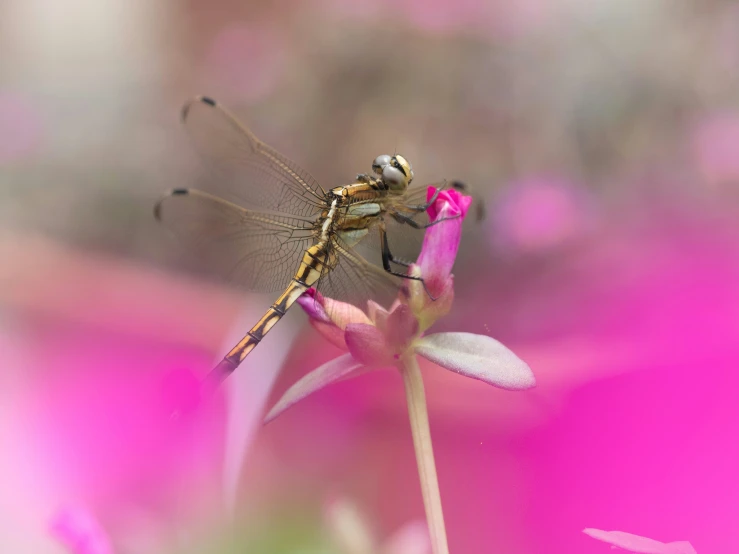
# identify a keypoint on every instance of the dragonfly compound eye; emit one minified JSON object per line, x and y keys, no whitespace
{"x":379,"y":163}
{"x":403,"y":165}
{"x":394,"y":178}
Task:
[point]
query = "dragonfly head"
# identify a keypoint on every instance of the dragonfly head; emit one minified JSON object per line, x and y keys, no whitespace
{"x":395,"y":172}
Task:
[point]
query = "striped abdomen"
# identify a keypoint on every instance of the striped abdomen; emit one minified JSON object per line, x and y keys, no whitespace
{"x":316,"y":261}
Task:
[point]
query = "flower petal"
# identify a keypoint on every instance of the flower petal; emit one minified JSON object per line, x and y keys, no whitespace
{"x":477,"y":356}
{"x":640,"y":545}
{"x":78,"y":529}
{"x":377,"y":314}
{"x":343,"y":313}
{"x":458,"y":202}
{"x":426,"y":309}
{"x":401,"y":328}
{"x":343,"y":367}
{"x":440,"y":242}
{"x":312,"y":302}
{"x":330,"y":332}
{"x":368,"y":345}
{"x":328,"y":310}
{"x":439,"y":249}
{"x":412,"y":538}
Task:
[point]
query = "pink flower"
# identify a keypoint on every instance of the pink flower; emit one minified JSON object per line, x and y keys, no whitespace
{"x":640,"y":545}
{"x":383,"y":338}
{"x":80,"y":532}
{"x":540,"y":212}
{"x":332,"y":327}
{"x":431,"y":299}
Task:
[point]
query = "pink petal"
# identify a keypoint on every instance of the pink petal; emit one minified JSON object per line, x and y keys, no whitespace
{"x":639,"y":545}
{"x":338,"y":369}
{"x":401,"y":328}
{"x":377,"y":314}
{"x":477,"y":356}
{"x":328,"y":310}
{"x":181,"y":392}
{"x":412,"y":538}
{"x":426,"y":309}
{"x":441,"y":242}
{"x":79,"y":531}
{"x":342,"y":313}
{"x":540,"y":212}
{"x":330,"y":332}
{"x":452,"y":198}
{"x":368,"y":345}
{"x":312,"y":303}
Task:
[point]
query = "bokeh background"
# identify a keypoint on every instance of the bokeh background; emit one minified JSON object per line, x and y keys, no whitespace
{"x":603,"y":137}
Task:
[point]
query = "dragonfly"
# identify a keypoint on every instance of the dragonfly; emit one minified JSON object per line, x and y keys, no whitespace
{"x":267,"y":225}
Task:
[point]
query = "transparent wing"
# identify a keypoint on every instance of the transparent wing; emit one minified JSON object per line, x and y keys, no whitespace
{"x":258,"y":251}
{"x":243,"y":169}
{"x":358,"y":278}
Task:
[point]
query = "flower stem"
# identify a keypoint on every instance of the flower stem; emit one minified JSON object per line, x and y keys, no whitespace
{"x":419,"y":419}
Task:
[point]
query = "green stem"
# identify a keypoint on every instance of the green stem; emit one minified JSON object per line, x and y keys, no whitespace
{"x":419,"y":419}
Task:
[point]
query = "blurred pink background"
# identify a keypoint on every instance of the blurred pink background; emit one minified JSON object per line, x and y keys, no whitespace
{"x":604,"y":140}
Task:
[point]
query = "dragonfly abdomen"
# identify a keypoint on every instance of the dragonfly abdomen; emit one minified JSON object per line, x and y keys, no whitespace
{"x":317,"y":260}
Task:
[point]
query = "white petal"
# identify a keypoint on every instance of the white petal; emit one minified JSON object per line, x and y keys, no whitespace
{"x":639,"y":545}
{"x":477,"y":356}
{"x":337,"y":369}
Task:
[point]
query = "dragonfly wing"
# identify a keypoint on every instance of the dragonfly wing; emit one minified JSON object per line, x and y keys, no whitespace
{"x":244,"y":170}
{"x":258,"y":251}
{"x":356,"y":280}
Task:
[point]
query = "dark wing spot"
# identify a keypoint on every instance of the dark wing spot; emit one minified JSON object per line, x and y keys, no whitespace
{"x":203,"y":99}
{"x":459,"y":185}
{"x":158,"y":210}
{"x":158,"y":205}
{"x":184,"y":112}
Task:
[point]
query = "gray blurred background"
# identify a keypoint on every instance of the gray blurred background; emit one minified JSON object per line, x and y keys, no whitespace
{"x":602,"y":92}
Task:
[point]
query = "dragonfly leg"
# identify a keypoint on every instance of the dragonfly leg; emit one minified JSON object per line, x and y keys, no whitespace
{"x":408,"y":220}
{"x":424,"y":207}
{"x":387,"y":258}
{"x":458,"y":185}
